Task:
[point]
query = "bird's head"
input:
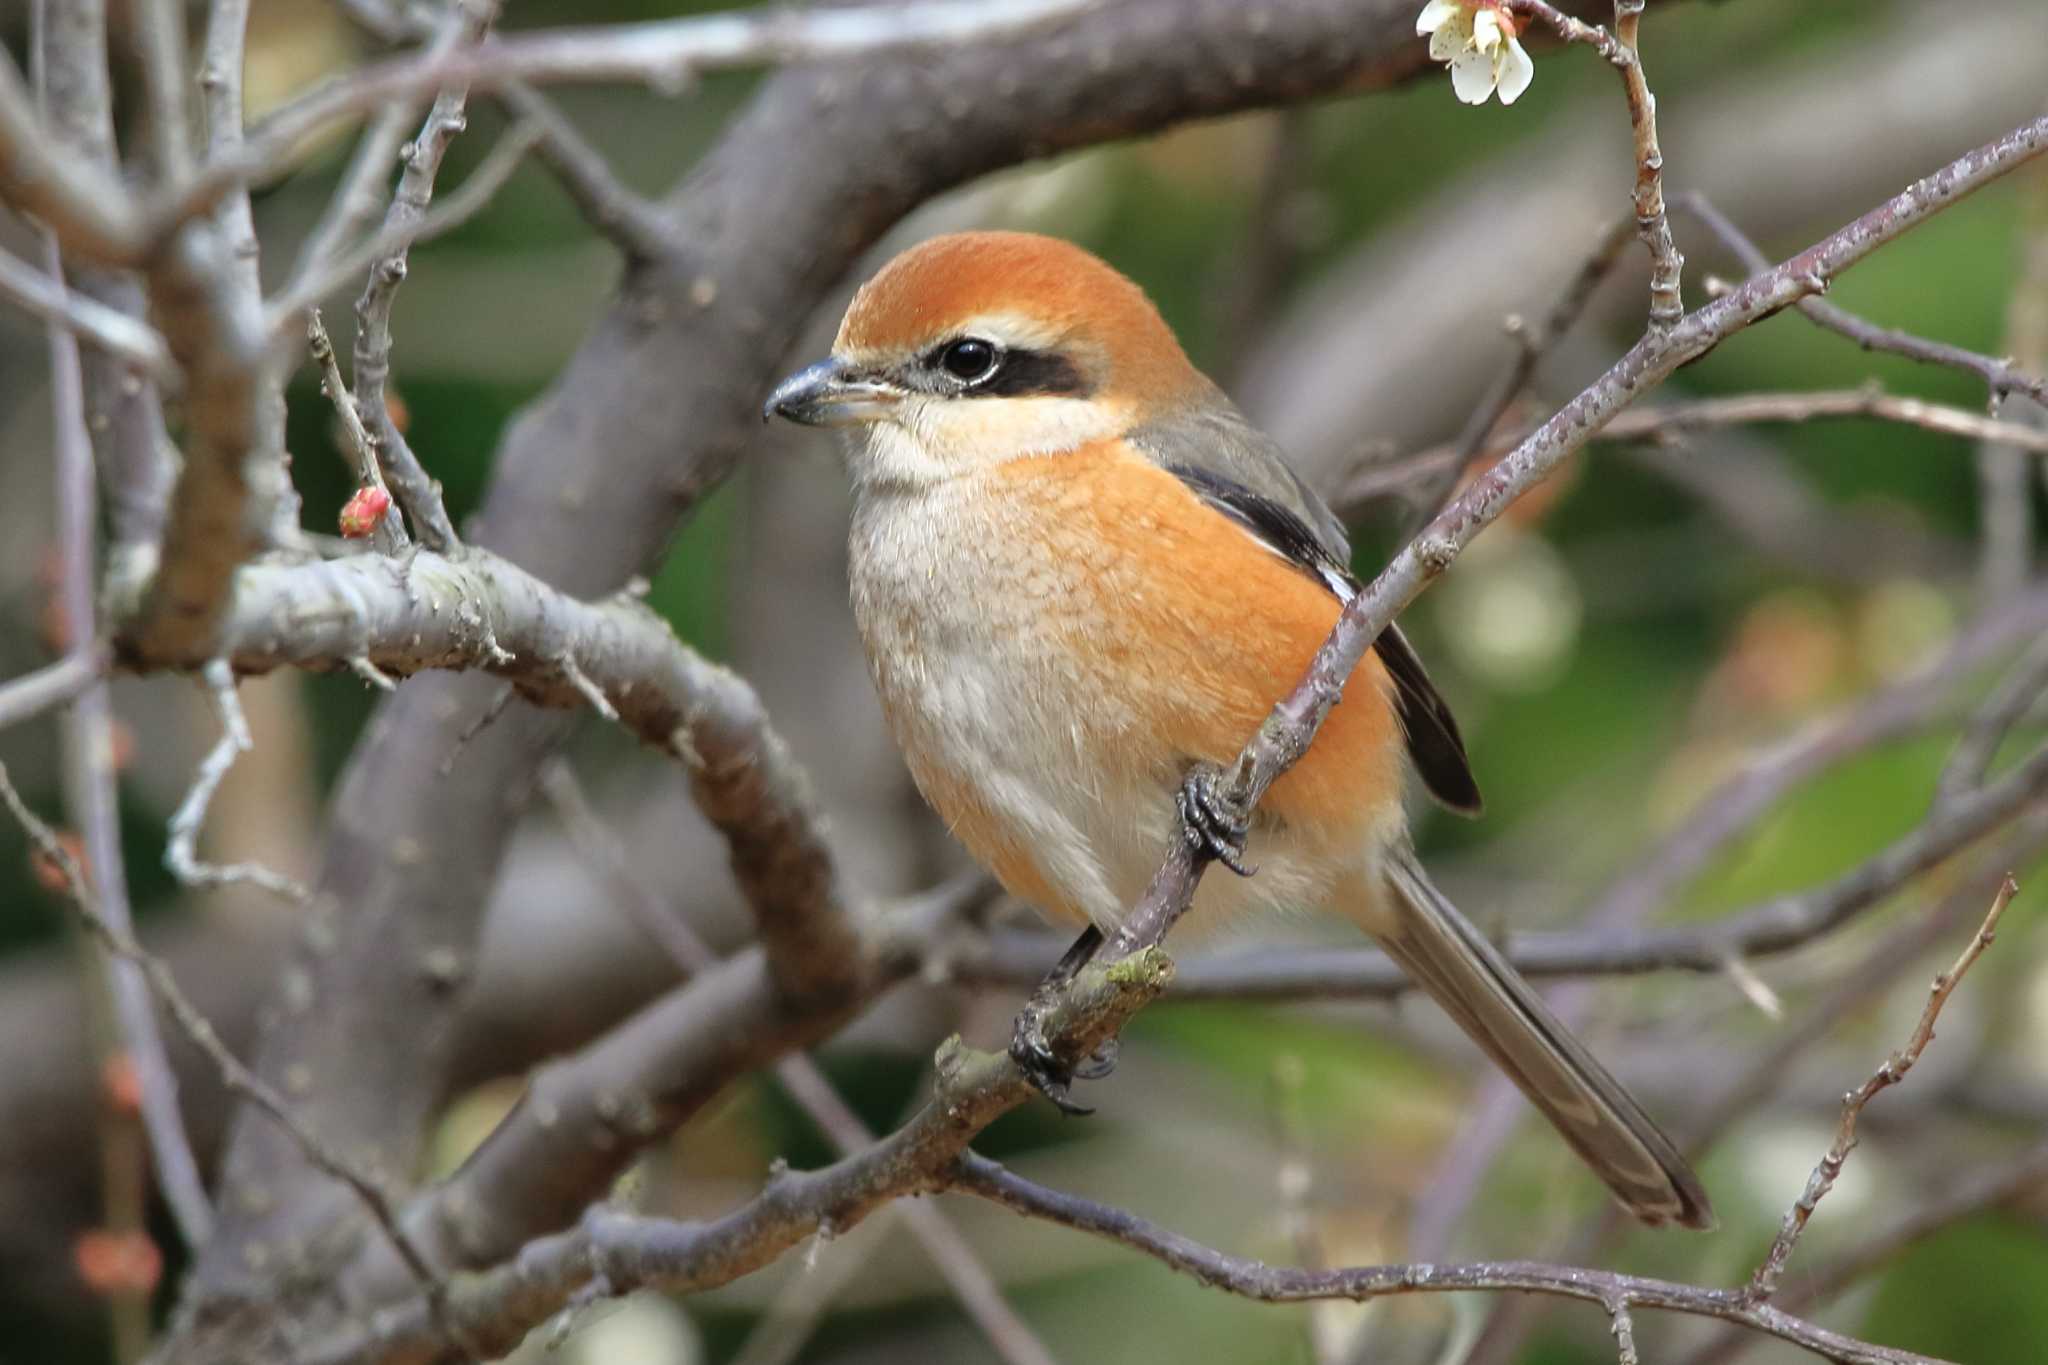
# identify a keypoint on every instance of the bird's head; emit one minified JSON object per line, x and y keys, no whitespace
{"x":982,"y":347}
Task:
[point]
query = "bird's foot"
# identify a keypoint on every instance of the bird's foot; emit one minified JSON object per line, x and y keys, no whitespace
{"x":1048,"y":1073}
{"x":1213,"y":821}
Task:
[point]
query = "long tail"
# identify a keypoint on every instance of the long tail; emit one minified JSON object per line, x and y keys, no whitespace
{"x":1467,"y":975}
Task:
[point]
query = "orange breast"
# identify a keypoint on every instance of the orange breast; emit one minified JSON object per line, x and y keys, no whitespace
{"x":1172,"y":606}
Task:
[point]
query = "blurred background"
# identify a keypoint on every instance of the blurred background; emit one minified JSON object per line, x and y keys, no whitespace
{"x":1631,"y":636}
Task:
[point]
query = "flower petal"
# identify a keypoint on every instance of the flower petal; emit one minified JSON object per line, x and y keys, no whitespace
{"x":1486,"y":34}
{"x":1436,"y":14}
{"x":1472,"y":76}
{"x":1514,"y":71}
{"x":1448,"y":42}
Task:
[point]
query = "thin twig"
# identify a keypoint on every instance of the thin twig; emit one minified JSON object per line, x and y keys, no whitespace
{"x":801,"y":1078}
{"x":238,"y":1079}
{"x":476,"y":191}
{"x":418,"y":494}
{"x":977,"y":1175}
{"x":1531,"y":344}
{"x":181,"y":849}
{"x":611,"y":207}
{"x":1622,"y":50}
{"x":1777,"y":925}
{"x":1623,"y":1328}
{"x":1997,"y":375}
{"x":389,"y":536}
{"x":361,"y":197}
{"x":1764,"y":1283}
{"x":664,"y":54}
{"x":2015,"y":695}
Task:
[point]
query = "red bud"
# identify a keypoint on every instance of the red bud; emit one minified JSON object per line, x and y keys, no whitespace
{"x":363,"y":511}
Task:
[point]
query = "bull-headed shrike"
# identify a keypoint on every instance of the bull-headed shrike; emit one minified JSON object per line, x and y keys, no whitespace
{"x":1081,"y":575}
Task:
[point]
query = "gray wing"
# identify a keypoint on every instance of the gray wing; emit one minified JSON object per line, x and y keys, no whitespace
{"x":1215,"y":437}
{"x":1241,"y":473}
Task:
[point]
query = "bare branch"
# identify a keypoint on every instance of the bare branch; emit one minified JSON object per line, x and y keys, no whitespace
{"x":1981,"y":1189}
{"x":1998,"y":375}
{"x":1764,"y":1283}
{"x":476,"y":191}
{"x":2008,"y":703}
{"x":159,"y":37}
{"x":361,"y":197}
{"x":1274,"y":1284}
{"x":68,"y":53}
{"x":1435,"y":482}
{"x":1774,"y":926}
{"x":801,"y":1079}
{"x":418,"y":494}
{"x":90,"y":776}
{"x":28,"y":696}
{"x":360,"y":449}
{"x":626,"y":219}
{"x":239,"y":1080}
{"x":81,"y":201}
{"x":181,"y":850}
{"x":665,"y":54}
{"x":107,"y":328}
{"x":1869,"y":401}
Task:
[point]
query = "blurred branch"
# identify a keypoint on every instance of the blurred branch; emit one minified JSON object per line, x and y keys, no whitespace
{"x":90,"y":792}
{"x":31,"y":694}
{"x":1437,"y":478}
{"x":361,"y":198}
{"x":109,"y":329}
{"x":65,"y":57}
{"x":801,"y":1078}
{"x":1764,"y":1283}
{"x":1985,"y":1188}
{"x":667,"y":54}
{"x":123,"y":413}
{"x":1419,"y":474}
{"x":475,"y":193}
{"x":613,"y":210}
{"x":1762,"y":930}
{"x":498,"y":1306}
{"x":1610,"y":1290}
{"x":240,"y":1081}
{"x":2007,"y":705}
{"x":2005,"y":475}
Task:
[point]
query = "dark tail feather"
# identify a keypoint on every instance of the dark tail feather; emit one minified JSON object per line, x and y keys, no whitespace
{"x":1467,"y":975}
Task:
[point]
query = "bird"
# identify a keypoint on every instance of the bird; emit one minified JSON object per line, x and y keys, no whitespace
{"x":1082,"y":577}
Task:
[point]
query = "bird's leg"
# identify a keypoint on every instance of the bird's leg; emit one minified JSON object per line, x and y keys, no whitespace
{"x":1212,"y":820}
{"x":1034,"y":1055}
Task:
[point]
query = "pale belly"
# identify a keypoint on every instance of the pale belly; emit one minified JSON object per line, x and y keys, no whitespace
{"x":1019,"y":696}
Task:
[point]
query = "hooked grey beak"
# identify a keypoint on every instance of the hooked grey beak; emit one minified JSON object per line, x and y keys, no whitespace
{"x":831,"y":394}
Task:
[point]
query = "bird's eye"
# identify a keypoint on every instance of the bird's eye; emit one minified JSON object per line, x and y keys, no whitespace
{"x":968,"y":359}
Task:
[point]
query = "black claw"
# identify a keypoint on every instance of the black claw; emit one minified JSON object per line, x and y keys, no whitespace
{"x":1213,"y":824}
{"x":1100,"y":1062}
{"x":1047,"y":1074}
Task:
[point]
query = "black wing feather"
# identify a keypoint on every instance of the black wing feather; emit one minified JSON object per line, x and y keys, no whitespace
{"x":1435,"y":745}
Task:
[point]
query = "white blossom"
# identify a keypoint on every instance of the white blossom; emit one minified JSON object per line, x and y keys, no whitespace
{"x":1480,"y":42}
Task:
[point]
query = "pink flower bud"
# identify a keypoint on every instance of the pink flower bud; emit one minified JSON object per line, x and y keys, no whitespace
{"x":363,"y":511}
